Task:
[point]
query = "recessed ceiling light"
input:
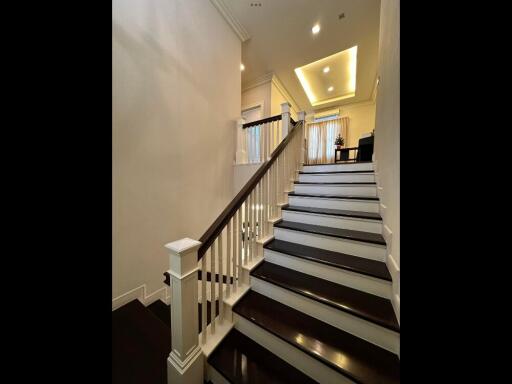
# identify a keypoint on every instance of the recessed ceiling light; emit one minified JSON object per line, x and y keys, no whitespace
{"x":330,"y":88}
{"x":315,"y":29}
{"x":242,"y":67}
{"x":326,"y":69}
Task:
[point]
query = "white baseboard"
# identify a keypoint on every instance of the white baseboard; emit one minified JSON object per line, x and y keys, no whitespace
{"x":141,"y":294}
{"x":394,"y":270}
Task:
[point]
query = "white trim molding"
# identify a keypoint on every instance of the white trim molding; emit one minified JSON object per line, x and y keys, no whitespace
{"x":271,"y":77}
{"x":267,"y":78}
{"x":231,"y":19}
{"x":141,"y":293}
{"x":280,"y":86}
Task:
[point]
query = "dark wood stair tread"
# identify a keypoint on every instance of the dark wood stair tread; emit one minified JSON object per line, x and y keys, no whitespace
{"x":356,"y":358}
{"x":163,"y":312}
{"x":336,"y":182}
{"x":367,"y":237}
{"x":334,"y":172}
{"x":338,"y":163}
{"x":334,"y":212}
{"x":357,"y":264}
{"x":141,"y":344}
{"x":370,"y":307}
{"x":349,"y":197}
{"x":237,"y":351}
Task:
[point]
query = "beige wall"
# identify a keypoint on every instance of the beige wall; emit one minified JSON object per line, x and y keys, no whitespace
{"x":175,"y":99}
{"x":362,"y":120}
{"x":387,"y":135}
{"x":277,"y":98}
{"x":258,"y":95}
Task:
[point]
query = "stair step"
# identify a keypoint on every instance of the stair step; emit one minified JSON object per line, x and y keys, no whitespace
{"x":367,"y":237}
{"x":349,"y":197}
{"x":262,"y":366}
{"x":334,"y":172}
{"x":335,"y":212}
{"x":361,"y":304}
{"x":141,"y":344}
{"x":349,"y":355}
{"x":356,"y":264}
{"x":337,"y":182}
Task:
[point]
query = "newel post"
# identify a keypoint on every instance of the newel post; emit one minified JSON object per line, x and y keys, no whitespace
{"x":285,"y":120}
{"x":241,"y":154}
{"x":185,"y":362}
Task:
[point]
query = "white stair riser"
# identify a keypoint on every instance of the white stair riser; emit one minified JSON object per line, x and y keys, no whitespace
{"x":369,"y":284}
{"x":354,"y":325}
{"x":325,"y":189}
{"x":351,"y":247}
{"x":289,"y":353}
{"x":338,"y":167}
{"x":356,"y":224}
{"x":348,"y":204}
{"x":338,"y":178}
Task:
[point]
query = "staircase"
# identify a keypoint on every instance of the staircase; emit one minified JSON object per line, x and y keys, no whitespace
{"x":302,"y":287}
{"x":320,"y":299}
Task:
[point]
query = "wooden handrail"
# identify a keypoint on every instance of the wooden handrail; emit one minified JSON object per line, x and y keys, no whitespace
{"x":262,"y":121}
{"x":218,"y":225}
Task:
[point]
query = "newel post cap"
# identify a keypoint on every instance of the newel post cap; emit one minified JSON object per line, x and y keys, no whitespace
{"x":183,"y":246}
{"x":285,"y":107}
{"x":301,"y":115}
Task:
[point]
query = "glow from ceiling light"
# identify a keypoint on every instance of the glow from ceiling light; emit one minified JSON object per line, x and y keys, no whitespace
{"x":242,"y":67}
{"x":327,"y":69}
{"x":305,"y":85}
{"x":352,"y":67}
{"x":330,"y":88}
{"x":315,"y":29}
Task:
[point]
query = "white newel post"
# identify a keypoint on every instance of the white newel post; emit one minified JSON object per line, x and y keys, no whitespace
{"x":185,"y":362}
{"x":241,"y":154}
{"x":285,"y":120}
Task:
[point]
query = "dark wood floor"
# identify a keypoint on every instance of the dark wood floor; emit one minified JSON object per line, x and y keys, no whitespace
{"x":141,"y":343}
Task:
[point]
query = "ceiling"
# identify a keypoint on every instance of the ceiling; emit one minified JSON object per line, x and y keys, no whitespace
{"x":330,"y":79}
{"x":281,"y":40}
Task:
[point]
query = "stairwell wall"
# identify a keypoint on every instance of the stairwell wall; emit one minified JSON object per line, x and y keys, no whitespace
{"x":176,"y":89}
{"x":387,"y":137}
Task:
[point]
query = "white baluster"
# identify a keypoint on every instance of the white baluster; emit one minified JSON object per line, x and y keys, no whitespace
{"x":221,"y":258}
{"x":228,"y":260}
{"x":246,"y":230}
{"x":212,"y":288}
{"x":204,"y":299}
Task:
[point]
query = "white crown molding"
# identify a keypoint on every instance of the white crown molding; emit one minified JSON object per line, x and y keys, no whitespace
{"x":271,"y":77}
{"x":373,"y":98}
{"x":267,"y":78}
{"x":141,"y":294}
{"x":231,"y":19}
{"x":279,"y":85}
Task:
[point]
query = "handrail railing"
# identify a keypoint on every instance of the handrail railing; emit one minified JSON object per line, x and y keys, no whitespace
{"x":217,"y":268}
{"x":218,"y":225}
{"x":262,"y":121}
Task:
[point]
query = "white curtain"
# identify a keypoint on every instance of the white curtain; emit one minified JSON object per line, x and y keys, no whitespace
{"x":321,"y":137}
{"x":253,"y":143}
